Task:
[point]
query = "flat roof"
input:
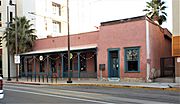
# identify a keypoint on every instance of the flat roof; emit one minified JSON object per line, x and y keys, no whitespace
{"x":123,"y":20}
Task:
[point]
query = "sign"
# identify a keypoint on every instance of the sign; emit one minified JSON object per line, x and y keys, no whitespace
{"x":178,"y":59}
{"x":102,"y":67}
{"x":16,"y":59}
{"x":40,"y":58}
{"x":71,"y":55}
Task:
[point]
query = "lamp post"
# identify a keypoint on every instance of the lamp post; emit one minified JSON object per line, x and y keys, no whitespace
{"x":69,"y":71}
{"x":10,"y":3}
{"x":8,"y":53}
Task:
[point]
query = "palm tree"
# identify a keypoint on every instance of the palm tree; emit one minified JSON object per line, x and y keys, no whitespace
{"x":156,"y":10}
{"x":25,"y":35}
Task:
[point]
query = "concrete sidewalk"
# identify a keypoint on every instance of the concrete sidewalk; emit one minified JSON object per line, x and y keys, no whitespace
{"x":95,"y":82}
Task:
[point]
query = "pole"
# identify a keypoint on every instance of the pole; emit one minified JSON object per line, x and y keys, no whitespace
{"x":8,"y":53}
{"x":16,"y":40}
{"x":69,"y":75}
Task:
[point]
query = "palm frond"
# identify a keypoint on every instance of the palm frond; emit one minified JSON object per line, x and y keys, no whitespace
{"x":25,"y":34}
{"x":156,"y":8}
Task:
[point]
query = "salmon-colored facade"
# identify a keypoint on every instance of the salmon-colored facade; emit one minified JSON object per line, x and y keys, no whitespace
{"x":109,"y":47}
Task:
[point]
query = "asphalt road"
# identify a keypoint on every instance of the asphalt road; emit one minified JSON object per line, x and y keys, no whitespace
{"x":43,"y":94}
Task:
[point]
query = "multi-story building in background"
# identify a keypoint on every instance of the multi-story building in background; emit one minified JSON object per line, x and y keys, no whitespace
{"x":49,"y":18}
{"x":176,"y":37}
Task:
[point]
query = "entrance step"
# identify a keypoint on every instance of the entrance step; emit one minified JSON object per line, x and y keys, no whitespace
{"x":114,"y":79}
{"x":165,"y":80}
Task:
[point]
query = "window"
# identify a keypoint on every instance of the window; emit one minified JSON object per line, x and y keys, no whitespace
{"x":56,"y":27}
{"x":41,"y":66}
{"x":132,"y":59}
{"x":0,"y":20}
{"x":56,"y":9}
{"x":83,"y":66}
{"x":0,"y":2}
{"x":75,"y":65}
{"x":11,"y":17}
{"x":0,"y":42}
{"x":29,"y":65}
{"x":53,"y":66}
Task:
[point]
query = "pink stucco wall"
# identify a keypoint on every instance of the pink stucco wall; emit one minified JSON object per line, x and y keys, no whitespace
{"x":159,"y":46}
{"x":129,"y":34}
{"x":61,"y":41}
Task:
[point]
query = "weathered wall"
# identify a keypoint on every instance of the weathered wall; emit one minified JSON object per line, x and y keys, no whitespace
{"x":61,"y":42}
{"x":123,"y":35}
{"x":160,"y":46}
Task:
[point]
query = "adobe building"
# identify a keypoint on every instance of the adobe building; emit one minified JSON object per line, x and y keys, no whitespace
{"x":123,"y":50}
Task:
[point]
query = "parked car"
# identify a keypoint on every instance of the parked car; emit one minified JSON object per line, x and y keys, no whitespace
{"x":1,"y":88}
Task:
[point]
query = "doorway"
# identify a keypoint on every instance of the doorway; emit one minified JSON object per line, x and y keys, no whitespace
{"x":113,"y":63}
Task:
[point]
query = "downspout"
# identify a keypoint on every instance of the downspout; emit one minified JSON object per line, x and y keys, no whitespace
{"x":147,"y":51}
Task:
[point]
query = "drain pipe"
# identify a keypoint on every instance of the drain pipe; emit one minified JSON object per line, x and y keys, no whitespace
{"x":147,"y":51}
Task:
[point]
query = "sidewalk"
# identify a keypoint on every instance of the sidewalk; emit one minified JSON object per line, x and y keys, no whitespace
{"x":95,"y":82}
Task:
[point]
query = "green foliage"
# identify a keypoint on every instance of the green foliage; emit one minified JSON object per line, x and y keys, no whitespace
{"x":156,"y":8}
{"x":25,"y":35}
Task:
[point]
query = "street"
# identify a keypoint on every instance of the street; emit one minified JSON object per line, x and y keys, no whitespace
{"x":44,"y":94}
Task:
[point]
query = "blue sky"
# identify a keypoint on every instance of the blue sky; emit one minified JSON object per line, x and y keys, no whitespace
{"x":86,"y":14}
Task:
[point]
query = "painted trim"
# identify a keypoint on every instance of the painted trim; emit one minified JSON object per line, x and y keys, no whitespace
{"x":109,"y":66}
{"x":125,"y":60}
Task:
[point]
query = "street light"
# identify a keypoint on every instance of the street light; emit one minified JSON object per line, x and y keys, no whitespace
{"x":9,"y":76}
{"x":69,"y":75}
{"x":10,"y":3}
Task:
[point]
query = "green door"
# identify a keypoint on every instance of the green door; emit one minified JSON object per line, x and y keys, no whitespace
{"x":113,"y":62}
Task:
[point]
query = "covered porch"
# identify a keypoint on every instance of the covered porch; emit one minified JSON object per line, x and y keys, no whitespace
{"x":53,"y":63}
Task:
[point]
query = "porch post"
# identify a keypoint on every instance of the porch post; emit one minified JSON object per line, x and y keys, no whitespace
{"x":95,"y":64}
{"x":25,"y":66}
{"x":58,"y":68}
{"x":21,"y":67}
{"x":62,"y":65}
{"x":47,"y":68}
{"x":34,"y":67}
{"x":51,"y":73}
{"x":78,"y":64}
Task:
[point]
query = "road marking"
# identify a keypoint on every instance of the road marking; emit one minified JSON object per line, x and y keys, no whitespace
{"x":66,"y":97}
{"x":60,"y":91}
{"x":78,"y":95}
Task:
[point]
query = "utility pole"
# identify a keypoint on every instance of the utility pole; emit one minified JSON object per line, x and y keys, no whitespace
{"x":8,"y":53}
{"x":17,"y":58}
{"x":69,"y":70}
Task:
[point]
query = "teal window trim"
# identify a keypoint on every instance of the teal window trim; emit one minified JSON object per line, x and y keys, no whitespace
{"x":125,"y":59}
{"x":109,"y":50}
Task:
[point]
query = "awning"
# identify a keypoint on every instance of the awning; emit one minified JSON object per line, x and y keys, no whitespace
{"x":54,"y":50}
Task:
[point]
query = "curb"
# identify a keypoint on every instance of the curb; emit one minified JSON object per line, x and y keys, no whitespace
{"x":119,"y":86}
{"x":97,"y":85}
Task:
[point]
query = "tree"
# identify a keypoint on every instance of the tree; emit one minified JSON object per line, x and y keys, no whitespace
{"x":25,"y":35}
{"x":156,"y":10}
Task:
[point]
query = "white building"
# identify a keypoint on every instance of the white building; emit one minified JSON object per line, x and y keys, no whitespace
{"x":48,"y":16}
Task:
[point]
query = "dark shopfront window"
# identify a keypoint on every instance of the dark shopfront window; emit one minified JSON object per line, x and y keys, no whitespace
{"x":53,"y":66}
{"x":132,"y":59}
{"x":42,"y":66}
{"x":83,"y":62}
{"x":29,"y":65}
